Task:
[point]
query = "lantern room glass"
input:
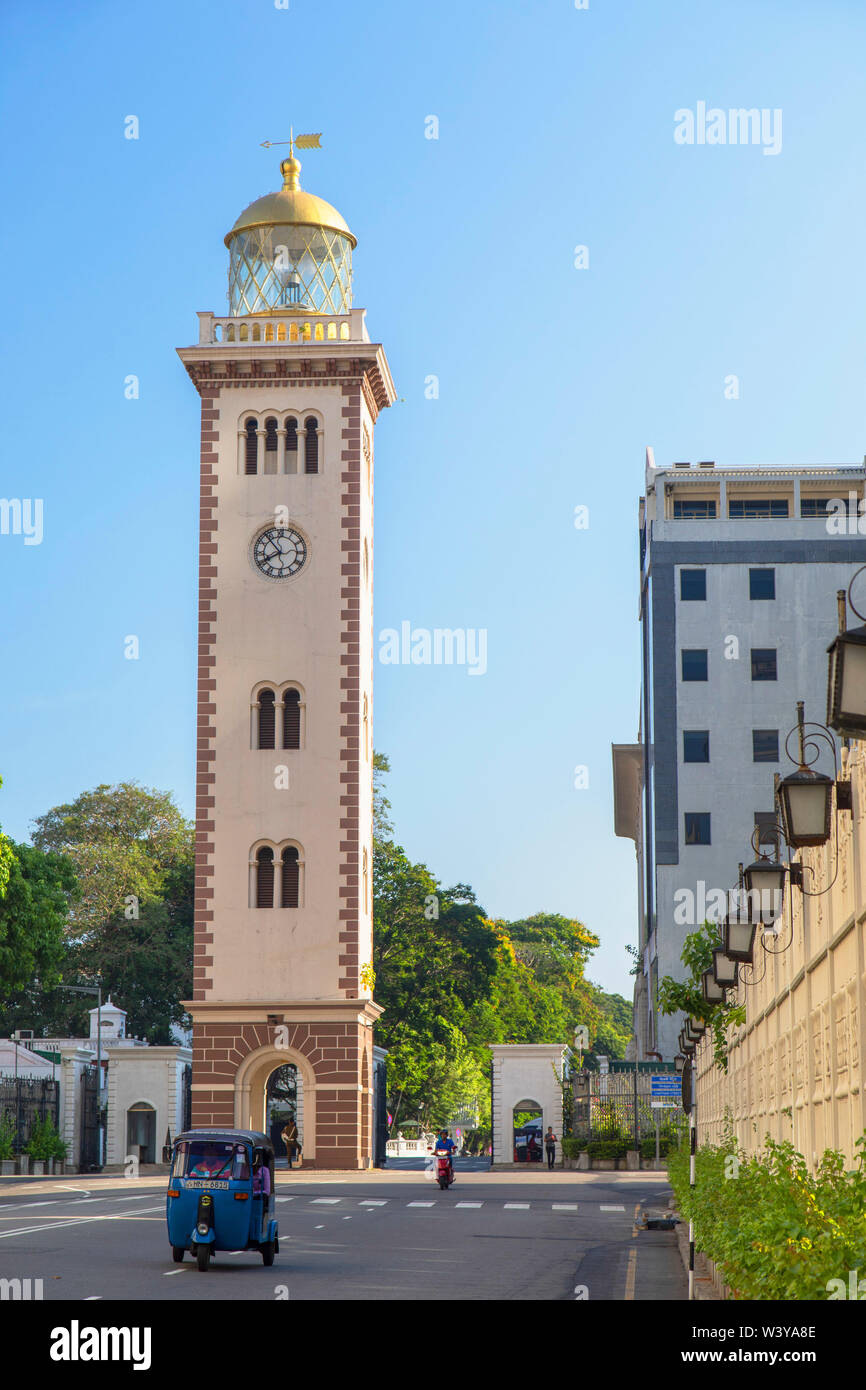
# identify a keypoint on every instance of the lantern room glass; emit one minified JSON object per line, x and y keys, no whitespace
{"x":285,"y":267}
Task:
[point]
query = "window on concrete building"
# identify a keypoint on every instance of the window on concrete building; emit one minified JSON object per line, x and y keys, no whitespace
{"x":291,"y":878}
{"x":814,"y":507}
{"x":291,"y":719}
{"x":694,"y":509}
{"x":766,"y":825}
{"x":693,"y":584}
{"x":252,"y":446}
{"x":267,"y":719}
{"x":311,"y":429}
{"x":265,"y":878}
{"x":757,"y":508}
{"x":762,"y":583}
{"x":694,"y":663}
{"x":696,"y":745}
{"x":697,"y":826}
{"x":765,"y":745}
{"x":764,"y":664}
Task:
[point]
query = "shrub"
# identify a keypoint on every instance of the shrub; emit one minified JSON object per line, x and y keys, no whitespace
{"x":608,"y":1148}
{"x":45,"y":1142}
{"x":573,"y":1148}
{"x":7,"y":1137}
{"x":775,"y":1230}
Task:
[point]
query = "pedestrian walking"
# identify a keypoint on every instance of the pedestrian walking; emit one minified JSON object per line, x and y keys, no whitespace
{"x":550,"y":1146}
{"x":289,"y":1137}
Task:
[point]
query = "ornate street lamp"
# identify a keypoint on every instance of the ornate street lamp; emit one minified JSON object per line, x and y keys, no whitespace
{"x":806,"y":797}
{"x":695,"y":1029}
{"x":846,"y":683}
{"x":764,"y":882}
{"x":724,"y":969}
{"x":679,"y":1062}
{"x":739,"y":938}
{"x":687,"y":1047}
{"x":713,"y":992}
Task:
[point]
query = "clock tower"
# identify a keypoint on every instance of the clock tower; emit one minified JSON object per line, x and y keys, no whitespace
{"x":291,"y":387}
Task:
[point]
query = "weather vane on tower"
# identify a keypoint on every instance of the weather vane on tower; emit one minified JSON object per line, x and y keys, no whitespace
{"x":303,"y":142}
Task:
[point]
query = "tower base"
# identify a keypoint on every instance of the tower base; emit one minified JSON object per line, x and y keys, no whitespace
{"x":237,"y":1046}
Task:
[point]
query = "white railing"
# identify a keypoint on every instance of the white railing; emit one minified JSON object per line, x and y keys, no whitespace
{"x":285,"y":328}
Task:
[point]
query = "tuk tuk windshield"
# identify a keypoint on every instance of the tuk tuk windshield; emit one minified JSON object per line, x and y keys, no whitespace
{"x":199,"y":1158}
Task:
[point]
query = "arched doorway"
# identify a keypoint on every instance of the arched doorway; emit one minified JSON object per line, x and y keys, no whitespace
{"x":281,"y":1104}
{"x":141,"y":1132}
{"x":528,"y":1126}
{"x":251,"y":1092}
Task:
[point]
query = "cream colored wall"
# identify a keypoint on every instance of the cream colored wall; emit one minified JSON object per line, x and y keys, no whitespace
{"x":284,"y":630}
{"x":796,"y":1068}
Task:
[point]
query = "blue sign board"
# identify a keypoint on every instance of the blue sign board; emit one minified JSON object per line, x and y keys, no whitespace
{"x":666,"y":1085}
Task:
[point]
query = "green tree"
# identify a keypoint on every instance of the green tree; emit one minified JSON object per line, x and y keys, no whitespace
{"x":33,"y":912}
{"x":7,"y":856}
{"x":123,"y":841}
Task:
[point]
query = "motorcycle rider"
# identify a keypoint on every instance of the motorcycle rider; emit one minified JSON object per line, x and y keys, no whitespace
{"x":445,"y":1145}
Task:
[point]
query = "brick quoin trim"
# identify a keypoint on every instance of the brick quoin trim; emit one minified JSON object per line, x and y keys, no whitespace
{"x":350,"y":695}
{"x":206,"y":727}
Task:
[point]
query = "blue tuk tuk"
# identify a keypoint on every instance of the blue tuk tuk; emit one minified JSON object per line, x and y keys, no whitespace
{"x":221,"y":1194}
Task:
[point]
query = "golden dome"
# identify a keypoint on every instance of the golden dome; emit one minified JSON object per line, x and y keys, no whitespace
{"x":291,"y":206}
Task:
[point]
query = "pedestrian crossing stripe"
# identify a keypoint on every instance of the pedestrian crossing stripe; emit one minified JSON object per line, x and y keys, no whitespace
{"x":517,"y":1206}
{"x":420,"y":1204}
{"x":470,"y":1204}
{"x":565,"y":1206}
{"x":602,"y":1207}
{"x":375,"y":1202}
{"x":326,"y":1201}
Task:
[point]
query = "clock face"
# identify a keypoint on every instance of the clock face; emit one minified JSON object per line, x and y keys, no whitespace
{"x":279,"y":552}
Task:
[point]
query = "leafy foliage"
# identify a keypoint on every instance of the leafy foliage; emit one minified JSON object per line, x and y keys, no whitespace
{"x":775,"y":1230}
{"x":33,"y":913}
{"x":687,"y":996}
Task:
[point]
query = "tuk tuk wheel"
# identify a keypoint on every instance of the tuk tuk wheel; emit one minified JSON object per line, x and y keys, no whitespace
{"x":177,"y":1253}
{"x":202,"y":1257}
{"x":267,"y":1253}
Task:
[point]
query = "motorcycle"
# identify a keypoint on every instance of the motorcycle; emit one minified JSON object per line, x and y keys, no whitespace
{"x":444,"y":1171}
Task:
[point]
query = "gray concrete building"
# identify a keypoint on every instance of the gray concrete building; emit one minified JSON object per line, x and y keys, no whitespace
{"x":739,"y":569}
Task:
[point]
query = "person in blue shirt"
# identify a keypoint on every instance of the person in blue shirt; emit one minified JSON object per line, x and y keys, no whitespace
{"x":447,"y":1146}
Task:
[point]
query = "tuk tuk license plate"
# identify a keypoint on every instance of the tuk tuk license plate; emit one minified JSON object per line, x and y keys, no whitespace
{"x":208,"y":1184}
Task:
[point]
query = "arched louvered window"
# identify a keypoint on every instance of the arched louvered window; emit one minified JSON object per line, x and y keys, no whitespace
{"x":271,"y":446}
{"x":311,"y":428}
{"x":291,"y":886}
{"x":252,"y":453}
{"x":267,"y":719}
{"x":265,"y":878}
{"x":291,"y":445}
{"x":291,"y":719}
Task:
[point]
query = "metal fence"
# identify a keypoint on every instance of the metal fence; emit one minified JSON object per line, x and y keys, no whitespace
{"x":89,"y":1155}
{"x":25,"y":1100}
{"x":618,"y":1105}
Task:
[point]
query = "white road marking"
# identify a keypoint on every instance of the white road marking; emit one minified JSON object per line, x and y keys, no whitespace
{"x":469,"y":1204}
{"x":517,"y":1206}
{"x":420,"y":1204}
{"x":285,"y":1199}
{"x":602,"y":1207}
{"x":565,"y":1206}
{"x":167,"y":1273}
{"x":318,"y":1228}
{"x":326,"y":1201}
{"x":92,"y":1297}
{"x":375,"y":1202}
{"x":71,"y":1221}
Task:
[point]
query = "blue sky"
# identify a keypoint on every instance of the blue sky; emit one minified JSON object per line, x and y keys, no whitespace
{"x":555,"y":130}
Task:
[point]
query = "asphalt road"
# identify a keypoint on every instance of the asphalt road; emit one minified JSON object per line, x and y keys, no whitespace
{"x":527,"y":1235}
